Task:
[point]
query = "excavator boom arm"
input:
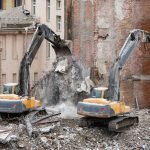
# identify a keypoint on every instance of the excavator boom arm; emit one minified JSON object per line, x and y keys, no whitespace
{"x":42,"y":32}
{"x":131,"y":42}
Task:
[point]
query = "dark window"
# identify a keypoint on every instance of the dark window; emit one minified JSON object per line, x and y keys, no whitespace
{"x":48,"y":10}
{"x":3,"y":46}
{"x":35,"y":77}
{"x":14,"y":77}
{"x":58,"y":4}
{"x":58,"y":23}
{"x":3,"y":79}
{"x":34,"y":7}
{"x":18,"y":3}
{"x":1,"y":5}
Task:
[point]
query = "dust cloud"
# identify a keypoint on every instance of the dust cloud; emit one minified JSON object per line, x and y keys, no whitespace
{"x":67,"y":109}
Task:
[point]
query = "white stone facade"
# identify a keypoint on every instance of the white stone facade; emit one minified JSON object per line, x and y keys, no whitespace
{"x":15,"y":42}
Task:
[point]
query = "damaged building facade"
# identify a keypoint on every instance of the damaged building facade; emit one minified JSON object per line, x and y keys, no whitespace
{"x":15,"y":37}
{"x":98,"y":30}
{"x":13,"y":42}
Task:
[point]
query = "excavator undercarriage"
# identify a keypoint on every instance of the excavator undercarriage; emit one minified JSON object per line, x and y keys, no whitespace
{"x":115,"y":124}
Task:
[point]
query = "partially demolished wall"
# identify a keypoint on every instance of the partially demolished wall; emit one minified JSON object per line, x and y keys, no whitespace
{"x":67,"y":81}
{"x":99,"y":29}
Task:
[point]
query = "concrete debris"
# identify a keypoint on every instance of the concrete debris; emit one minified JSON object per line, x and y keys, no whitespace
{"x":7,"y":134}
{"x":62,"y":66}
{"x":61,"y":137}
{"x":89,"y":84}
{"x":44,"y":139}
{"x":46,"y":129}
{"x":20,"y":144}
{"x":79,"y":129}
{"x":86,"y":85}
{"x":28,"y":122}
{"x":31,"y":120}
{"x":68,"y":135}
{"x":68,"y":81}
{"x":21,"y":128}
{"x":82,"y":87}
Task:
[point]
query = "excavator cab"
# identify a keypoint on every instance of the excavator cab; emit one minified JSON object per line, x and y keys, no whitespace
{"x":99,"y":92}
{"x":11,"y":88}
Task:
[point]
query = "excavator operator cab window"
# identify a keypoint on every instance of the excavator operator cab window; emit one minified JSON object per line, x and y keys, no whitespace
{"x":99,"y":92}
{"x":11,"y":88}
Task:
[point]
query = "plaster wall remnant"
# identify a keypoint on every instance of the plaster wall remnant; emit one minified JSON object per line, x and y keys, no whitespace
{"x":115,"y":18}
{"x":92,"y":1}
{"x":119,"y":9}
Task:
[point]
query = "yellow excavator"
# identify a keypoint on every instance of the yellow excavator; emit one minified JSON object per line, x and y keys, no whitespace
{"x":104,"y":106}
{"x":16,"y":96}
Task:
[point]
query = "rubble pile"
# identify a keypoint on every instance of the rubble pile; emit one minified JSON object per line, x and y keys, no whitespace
{"x":67,"y":135}
{"x":67,"y":81}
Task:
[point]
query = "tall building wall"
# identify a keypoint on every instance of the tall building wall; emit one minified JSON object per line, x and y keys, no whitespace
{"x":19,"y":39}
{"x":41,"y":13}
{"x":13,"y":48}
{"x":6,"y":4}
{"x":82,"y":31}
{"x":99,"y":29}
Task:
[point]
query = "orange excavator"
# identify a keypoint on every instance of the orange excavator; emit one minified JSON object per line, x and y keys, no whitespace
{"x":16,"y":96}
{"x":105,"y":106}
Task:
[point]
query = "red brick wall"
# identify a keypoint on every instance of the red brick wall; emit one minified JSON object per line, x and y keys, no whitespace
{"x":92,"y":20}
{"x":67,"y":19}
{"x":82,"y":31}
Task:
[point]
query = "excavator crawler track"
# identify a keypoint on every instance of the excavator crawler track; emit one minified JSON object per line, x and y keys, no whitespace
{"x":122,"y":122}
{"x":116,"y":124}
{"x":93,"y":121}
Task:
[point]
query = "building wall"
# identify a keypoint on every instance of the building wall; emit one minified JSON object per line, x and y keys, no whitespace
{"x":82,"y":16}
{"x":41,"y":64}
{"x":99,"y":29}
{"x":6,"y":4}
{"x":41,"y":7}
{"x":13,"y":47}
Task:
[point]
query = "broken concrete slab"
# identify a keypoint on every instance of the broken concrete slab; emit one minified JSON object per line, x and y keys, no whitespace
{"x":44,"y":139}
{"x":62,"y":66}
{"x":20,"y":144}
{"x":7,"y":134}
{"x":68,"y":135}
{"x":86,"y":85}
{"x":62,"y":83}
{"x":46,"y":129}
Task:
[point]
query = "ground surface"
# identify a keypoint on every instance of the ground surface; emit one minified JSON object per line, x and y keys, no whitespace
{"x":67,"y":135}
